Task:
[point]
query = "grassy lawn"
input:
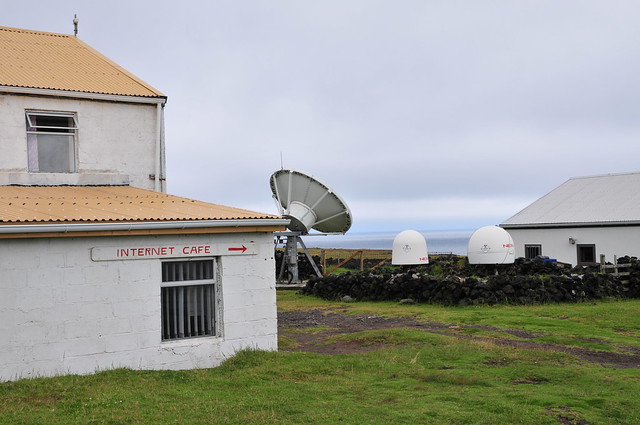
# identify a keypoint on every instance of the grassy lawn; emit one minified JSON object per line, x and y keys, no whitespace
{"x":614,"y":322}
{"x":417,"y":378}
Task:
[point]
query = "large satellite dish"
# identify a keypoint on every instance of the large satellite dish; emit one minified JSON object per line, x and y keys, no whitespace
{"x":308,"y":204}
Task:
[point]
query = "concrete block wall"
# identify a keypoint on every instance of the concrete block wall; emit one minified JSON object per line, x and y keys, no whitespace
{"x":61,"y":312}
{"x":129,"y":131}
{"x":609,"y":241}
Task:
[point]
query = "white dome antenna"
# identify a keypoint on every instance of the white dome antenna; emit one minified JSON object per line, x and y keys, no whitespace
{"x":409,"y":248}
{"x":491,"y":245}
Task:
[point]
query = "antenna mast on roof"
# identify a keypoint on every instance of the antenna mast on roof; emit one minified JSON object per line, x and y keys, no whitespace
{"x":75,"y":25}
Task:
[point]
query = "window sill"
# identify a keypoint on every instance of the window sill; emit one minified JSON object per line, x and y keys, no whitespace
{"x":72,"y":179}
{"x":190,"y":342}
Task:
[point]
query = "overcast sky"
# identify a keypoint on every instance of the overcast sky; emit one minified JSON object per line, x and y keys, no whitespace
{"x":421,"y":115}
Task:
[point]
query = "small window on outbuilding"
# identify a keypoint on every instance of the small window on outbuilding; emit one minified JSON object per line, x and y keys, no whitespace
{"x":532,"y":251}
{"x":189,"y":297}
{"x":51,"y":142}
{"x":586,"y":254}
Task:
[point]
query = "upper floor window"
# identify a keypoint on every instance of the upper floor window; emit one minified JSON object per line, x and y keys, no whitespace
{"x":51,"y":146}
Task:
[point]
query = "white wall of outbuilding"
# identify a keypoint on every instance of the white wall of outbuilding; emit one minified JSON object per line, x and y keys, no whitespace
{"x":63,"y":313}
{"x":609,"y":240}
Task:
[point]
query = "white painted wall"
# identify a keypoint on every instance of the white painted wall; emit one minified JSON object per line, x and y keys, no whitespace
{"x":62,"y":313}
{"x":609,"y":241}
{"x":116,"y":142}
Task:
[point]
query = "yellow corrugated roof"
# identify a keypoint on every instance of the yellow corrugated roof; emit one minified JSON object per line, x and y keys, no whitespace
{"x":91,"y":204}
{"x":35,"y":59}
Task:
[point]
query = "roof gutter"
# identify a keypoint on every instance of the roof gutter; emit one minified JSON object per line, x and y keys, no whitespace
{"x":83,"y":95}
{"x":569,"y":224}
{"x":162,"y":225}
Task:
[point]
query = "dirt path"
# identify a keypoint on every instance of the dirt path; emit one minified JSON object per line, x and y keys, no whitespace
{"x":323,"y":323}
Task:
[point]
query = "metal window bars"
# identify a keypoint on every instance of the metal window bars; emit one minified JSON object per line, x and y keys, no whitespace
{"x":188,"y":311}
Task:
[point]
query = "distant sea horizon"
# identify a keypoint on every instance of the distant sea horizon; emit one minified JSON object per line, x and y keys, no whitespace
{"x":438,"y":241}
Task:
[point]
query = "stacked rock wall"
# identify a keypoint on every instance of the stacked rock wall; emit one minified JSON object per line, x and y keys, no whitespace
{"x":455,"y":282}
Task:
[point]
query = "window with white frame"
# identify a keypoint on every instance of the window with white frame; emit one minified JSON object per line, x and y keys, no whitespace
{"x":51,"y":142}
{"x":188,"y":295}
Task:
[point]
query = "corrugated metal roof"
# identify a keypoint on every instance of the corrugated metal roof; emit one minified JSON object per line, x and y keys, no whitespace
{"x":91,"y":204}
{"x":34,"y":59}
{"x":594,"y":200}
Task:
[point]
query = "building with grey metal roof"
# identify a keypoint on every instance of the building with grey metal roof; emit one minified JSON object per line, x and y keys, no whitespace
{"x":582,"y":219}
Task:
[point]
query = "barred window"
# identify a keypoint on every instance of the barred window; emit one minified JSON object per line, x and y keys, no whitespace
{"x":188,"y":311}
{"x":532,"y":251}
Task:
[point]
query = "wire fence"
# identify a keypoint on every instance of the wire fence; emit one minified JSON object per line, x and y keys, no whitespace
{"x":339,"y":260}
{"x":333,"y":260}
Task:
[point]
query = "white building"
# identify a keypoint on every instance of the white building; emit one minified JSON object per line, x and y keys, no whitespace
{"x":71,"y":116}
{"x":99,"y":268}
{"x":581,"y":220}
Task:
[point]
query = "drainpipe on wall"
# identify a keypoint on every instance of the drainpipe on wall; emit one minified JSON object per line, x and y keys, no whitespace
{"x":163,"y":156}
{"x":157,"y":181}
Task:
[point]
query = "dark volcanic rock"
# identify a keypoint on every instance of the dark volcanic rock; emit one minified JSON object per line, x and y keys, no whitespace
{"x":524,"y":282}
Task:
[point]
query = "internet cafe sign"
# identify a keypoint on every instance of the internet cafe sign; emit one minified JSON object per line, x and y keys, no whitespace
{"x":169,"y":251}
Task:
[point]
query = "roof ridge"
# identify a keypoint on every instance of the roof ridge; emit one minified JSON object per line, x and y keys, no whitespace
{"x":53,"y":34}
{"x":73,"y":66}
{"x":584,"y":200}
{"x":627,"y":173}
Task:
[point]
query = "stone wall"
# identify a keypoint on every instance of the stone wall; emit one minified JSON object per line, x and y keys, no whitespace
{"x":452,"y":281}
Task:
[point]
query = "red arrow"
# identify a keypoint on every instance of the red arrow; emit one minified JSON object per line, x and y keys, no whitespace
{"x":243,"y":249}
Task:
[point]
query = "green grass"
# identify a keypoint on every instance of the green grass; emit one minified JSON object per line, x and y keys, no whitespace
{"x":611,"y":321}
{"x":341,"y":270}
{"x":418,"y":378}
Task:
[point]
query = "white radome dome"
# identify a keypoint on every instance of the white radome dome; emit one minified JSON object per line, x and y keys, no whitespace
{"x":409,"y":248}
{"x":491,"y":245}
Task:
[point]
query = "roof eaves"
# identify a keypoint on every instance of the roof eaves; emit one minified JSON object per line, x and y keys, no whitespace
{"x":110,"y":97}
{"x":133,"y":226}
{"x":569,"y":224}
